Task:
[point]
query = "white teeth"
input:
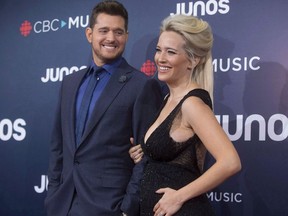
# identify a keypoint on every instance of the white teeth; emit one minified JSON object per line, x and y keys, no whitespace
{"x":109,"y":47}
{"x":163,"y":68}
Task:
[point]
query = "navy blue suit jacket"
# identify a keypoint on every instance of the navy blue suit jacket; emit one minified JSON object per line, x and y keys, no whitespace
{"x":100,"y":168}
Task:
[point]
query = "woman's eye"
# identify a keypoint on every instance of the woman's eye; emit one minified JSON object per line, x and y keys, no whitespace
{"x":171,"y":52}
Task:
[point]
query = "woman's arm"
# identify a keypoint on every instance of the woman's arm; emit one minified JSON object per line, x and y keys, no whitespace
{"x":200,"y":118}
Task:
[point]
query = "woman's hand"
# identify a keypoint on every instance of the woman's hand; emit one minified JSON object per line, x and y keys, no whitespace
{"x":135,"y":152}
{"x":169,"y":204}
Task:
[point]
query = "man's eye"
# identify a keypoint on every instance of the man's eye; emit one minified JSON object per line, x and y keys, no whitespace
{"x":103,"y":31}
{"x":119,"y":33}
{"x":157,"y":50}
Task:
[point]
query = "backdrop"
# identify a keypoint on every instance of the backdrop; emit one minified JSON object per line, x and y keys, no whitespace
{"x":43,"y":41}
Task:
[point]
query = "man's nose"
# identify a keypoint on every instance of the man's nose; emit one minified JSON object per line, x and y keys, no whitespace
{"x":110,"y":36}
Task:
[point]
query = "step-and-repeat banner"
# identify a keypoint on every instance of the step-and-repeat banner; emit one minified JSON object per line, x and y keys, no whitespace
{"x":43,"y":41}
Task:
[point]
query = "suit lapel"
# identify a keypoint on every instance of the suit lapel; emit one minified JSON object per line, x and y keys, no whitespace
{"x":76,"y":81}
{"x":117,"y":81}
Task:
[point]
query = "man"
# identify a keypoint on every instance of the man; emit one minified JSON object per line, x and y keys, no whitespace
{"x":90,"y":171}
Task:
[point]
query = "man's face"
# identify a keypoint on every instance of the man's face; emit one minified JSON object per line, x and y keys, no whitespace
{"x":108,"y":38}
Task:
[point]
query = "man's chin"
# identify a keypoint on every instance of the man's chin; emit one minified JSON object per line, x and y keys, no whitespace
{"x":110,"y":58}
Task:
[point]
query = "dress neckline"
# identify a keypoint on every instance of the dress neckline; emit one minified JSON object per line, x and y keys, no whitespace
{"x":172,"y":112}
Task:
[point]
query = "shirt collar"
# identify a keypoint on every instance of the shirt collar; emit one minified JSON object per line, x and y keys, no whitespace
{"x":109,"y":67}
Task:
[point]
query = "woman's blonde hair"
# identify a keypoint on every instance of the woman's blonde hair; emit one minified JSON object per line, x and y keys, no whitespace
{"x":199,"y":41}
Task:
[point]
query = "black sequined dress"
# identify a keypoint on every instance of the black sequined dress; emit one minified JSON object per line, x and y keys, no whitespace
{"x":172,"y":164}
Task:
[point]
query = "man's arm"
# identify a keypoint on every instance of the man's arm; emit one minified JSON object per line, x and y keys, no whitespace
{"x":55,"y":154}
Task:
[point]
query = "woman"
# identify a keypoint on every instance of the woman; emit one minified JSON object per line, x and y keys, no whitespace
{"x":185,"y":126}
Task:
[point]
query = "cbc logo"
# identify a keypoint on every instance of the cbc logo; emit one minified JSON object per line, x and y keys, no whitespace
{"x":47,"y":25}
{"x":12,"y":129}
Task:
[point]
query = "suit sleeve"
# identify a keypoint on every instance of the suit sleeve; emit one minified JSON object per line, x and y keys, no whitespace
{"x":145,"y":109}
{"x":55,"y":154}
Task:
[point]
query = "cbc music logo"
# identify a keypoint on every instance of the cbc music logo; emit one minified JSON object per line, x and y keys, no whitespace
{"x":197,"y":8}
{"x":219,"y":65}
{"x":53,"y":25}
{"x":10,"y":129}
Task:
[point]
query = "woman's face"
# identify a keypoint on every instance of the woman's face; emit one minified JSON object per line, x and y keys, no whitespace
{"x":171,"y":59}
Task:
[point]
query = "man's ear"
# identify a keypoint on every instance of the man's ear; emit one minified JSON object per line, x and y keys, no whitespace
{"x":88,"y":33}
{"x":127,"y":35}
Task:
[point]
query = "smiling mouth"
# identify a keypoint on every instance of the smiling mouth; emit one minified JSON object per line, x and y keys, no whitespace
{"x":109,"y":47}
{"x":162,"y":68}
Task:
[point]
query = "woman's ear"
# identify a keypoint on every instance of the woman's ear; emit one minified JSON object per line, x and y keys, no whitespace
{"x":195,"y":61}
